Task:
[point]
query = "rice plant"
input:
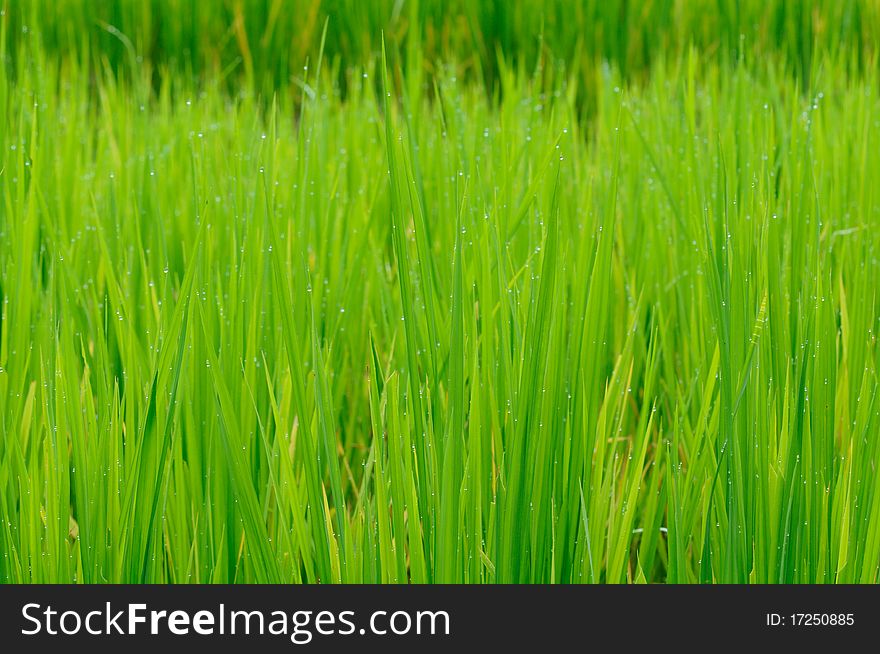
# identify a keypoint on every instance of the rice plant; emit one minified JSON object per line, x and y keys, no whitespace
{"x":373,"y":292}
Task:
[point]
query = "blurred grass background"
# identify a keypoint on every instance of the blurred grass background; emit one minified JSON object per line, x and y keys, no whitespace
{"x":265,"y":42}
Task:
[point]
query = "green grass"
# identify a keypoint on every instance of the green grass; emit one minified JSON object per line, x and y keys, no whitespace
{"x":571,"y":312}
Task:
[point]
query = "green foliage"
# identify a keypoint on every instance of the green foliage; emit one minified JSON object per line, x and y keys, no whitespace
{"x":366,"y":322}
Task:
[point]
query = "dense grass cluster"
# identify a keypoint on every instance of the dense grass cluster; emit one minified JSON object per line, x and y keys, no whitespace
{"x":401,"y":322}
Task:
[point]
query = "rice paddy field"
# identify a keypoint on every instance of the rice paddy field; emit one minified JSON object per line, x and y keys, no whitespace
{"x":470,"y":291}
